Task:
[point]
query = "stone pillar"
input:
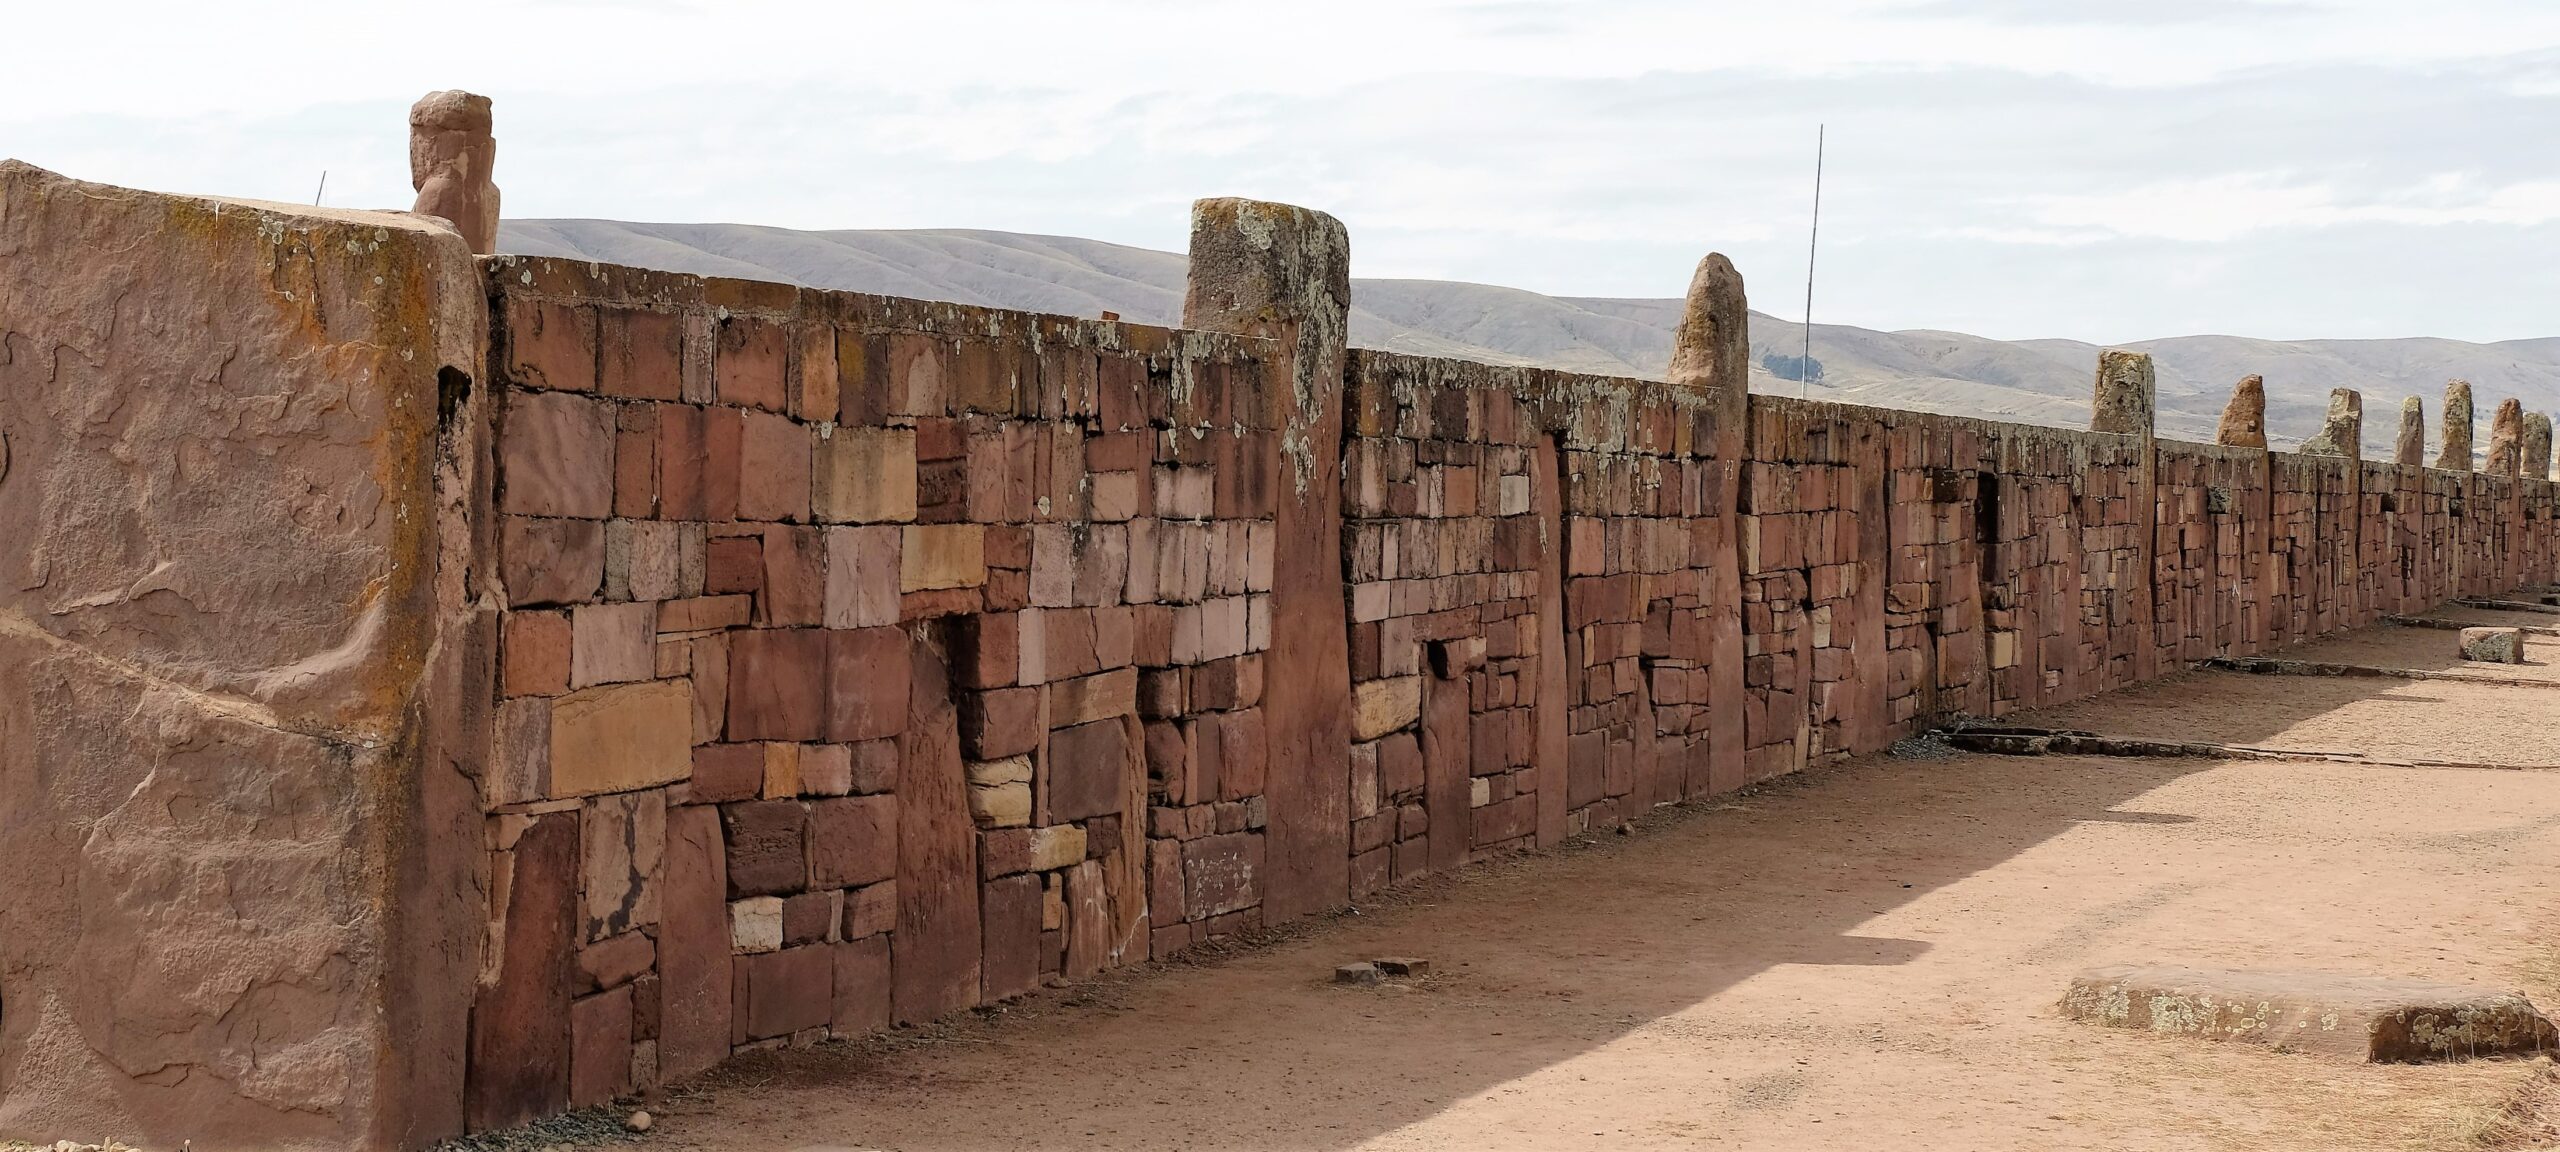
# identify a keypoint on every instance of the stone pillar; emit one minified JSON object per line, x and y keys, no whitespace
{"x":2411,"y":451}
{"x":1284,"y":273}
{"x":2536,"y":462}
{"x":2126,"y":393}
{"x":2244,"y":420}
{"x":2342,"y":431}
{"x":2506,"y":438}
{"x":1711,"y":357}
{"x":2456,"y":456}
{"x":244,"y":670}
{"x":451,"y":154}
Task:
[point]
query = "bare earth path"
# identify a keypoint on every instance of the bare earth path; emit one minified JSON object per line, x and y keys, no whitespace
{"x":1868,"y":957}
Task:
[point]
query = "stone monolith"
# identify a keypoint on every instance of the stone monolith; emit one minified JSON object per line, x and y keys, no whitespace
{"x":2342,"y":431}
{"x":2456,"y":456}
{"x":2537,"y":446}
{"x":451,"y":155}
{"x":2126,"y":393}
{"x":2411,"y":451}
{"x":1283,"y":273}
{"x":2244,"y":420}
{"x":2506,"y":438}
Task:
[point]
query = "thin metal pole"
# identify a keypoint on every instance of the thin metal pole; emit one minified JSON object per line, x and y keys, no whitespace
{"x":324,"y":188}
{"x":1804,"y":367}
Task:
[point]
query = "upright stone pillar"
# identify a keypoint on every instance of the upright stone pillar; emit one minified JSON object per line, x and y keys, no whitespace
{"x":1284,"y":273}
{"x":451,"y":155}
{"x":2244,"y":420}
{"x":2411,"y":451}
{"x":2506,"y":438}
{"x":2537,"y":447}
{"x":2342,"y":431}
{"x":2126,"y":394}
{"x":2456,"y":456}
{"x":1711,"y":358}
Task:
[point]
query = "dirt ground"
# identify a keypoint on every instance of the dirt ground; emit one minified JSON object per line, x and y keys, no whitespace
{"x":1863,"y":957}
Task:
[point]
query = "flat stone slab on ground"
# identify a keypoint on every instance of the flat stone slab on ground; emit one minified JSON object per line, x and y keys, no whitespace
{"x":2376,"y":1019}
{"x":2493,"y":645}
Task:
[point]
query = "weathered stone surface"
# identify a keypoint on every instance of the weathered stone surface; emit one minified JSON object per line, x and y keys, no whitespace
{"x":1088,"y":768}
{"x":2536,"y":458}
{"x":935,"y":951}
{"x":624,"y":843}
{"x":1358,"y":972}
{"x":2342,"y":430}
{"x":2244,"y":420}
{"x":693,"y":946}
{"x":2126,"y":393}
{"x":621,"y":737}
{"x":853,"y":841}
{"x":2493,"y":645}
{"x":451,"y":157}
{"x":1284,"y":273}
{"x":231,"y":666}
{"x":1379,"y":707}
{"x":1010,"y":908}
{"x":2365,"y":1018}
{"x":2456,"y":456}
{"x":520,"y":1025}
{"x":2506,"y":438}
{"x":2411,"y":449}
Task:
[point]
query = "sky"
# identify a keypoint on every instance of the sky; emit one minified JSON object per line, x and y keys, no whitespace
{"x":2109,"y":172}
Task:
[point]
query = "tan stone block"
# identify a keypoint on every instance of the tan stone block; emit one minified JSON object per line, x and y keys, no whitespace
{"x":1096,"y":697}
{"x":775,"y":459}
{"x":1379,"y":707}
{"x":866,"y":476}
{"x":996,"y":773}
{"x":625,"y":842}
{"x":870,"y":910}
{"x":942,"y":556}
{"x":1001,"y":805}
{"x":781,"y":771}
{"x":613,"y":643}
{"x":621,"y":737}
{"x":704,"y":614}
{"x":536,"y":653}
{"x":755,"y":924}
{"x":643,"y":559}
{"x":1061,"y":846}
{"x":522,"y":770}
{"x":1053,"y":566}
{"x":826,"y":769}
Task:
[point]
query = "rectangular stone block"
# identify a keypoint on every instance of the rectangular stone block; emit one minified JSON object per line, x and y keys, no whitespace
{"x":520,"y":1033}
{"x":866,"y":684}
{"x":613,"y":643}
{"x":535,"y":653}
{"x":780,"y":993}
{"x":550,"y":344}
{"x":642,"y":354}
{"x":853,"y":841}
{"x":556,"y":451}
{"x":778,"y":684}
{"x":551,"y":561}
{"x":1088,"y":769}
{"x":1221,"y":874}
{"x":1010,"y":911}
{"x":694,"y":946}
{"x":699,"y":452}
{"x":600,"y":1048}
{"x":866,"y":476}
{"x":1000,"y":723}
{"x":861,"y":986}
{"x":1379,"y":707}
{"x":942,"y":556}
{"x":624,"y":840}
{"x":621,"y":737}
{"x":863,"y":569}
{"x":1090,"y":698}
{"x":768,"y":848}
{"x":774,"y":461}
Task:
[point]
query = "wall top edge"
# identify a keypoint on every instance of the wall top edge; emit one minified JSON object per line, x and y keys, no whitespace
{"x":586,"y":281}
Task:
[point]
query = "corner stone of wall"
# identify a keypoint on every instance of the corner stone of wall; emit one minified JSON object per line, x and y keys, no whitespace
{"x":233,"y":638}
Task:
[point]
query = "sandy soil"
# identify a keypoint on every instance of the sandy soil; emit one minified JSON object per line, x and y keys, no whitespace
{"x":1866,"y":957}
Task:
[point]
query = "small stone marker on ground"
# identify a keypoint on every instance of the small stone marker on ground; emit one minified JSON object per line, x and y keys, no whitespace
{"x":1360,"y":973}
{"x":2374,"y":1019}
{"x":1403,"y":965}
{"x":2494,"y":645}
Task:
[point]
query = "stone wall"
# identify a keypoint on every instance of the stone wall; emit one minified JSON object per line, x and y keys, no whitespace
{"x":591,"y":673}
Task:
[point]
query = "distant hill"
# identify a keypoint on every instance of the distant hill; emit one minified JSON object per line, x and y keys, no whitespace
{"x":2032,"y":381}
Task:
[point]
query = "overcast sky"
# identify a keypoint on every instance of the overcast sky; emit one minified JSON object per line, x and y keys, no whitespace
{"x":2014,"y":168}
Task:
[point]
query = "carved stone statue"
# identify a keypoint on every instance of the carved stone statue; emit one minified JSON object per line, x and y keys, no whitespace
{"x":2342,"y":433}
{"x":450,"y":156}
{"x":2126,"y":393}
{"x":2506,"y":438}
{"x":2244,"y":420}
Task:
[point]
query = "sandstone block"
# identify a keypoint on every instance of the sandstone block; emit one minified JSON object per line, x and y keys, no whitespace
{"x":551,"y":561}
{"x":867,"y":684}
{"x":600,"y":1048}
{"x":778,"y":684}
{"x":613,"y":643}
{"x":748,"y":366}
{"x":853,"y":841}
{"x":863,"y":569}
{"x":621,"y":737}
{"x":550,"y":345}
{"x":642,"y":354}
{"x":1090,"y":698}
{"x":862,"y":986}
{"x":1221,"y":874}
{"x":699,"y":453}
{"x":556,"y":451}
{"x":1088,"y":765}
{"x":1379,"y":707}
{"x":774,"y":461}
{"x":755,"y":924}
{"x":2493,"y":645}
{"x":780,"y":993}
{"x":1010,"y":910}
{"x":1000,"y":805}
{"x":1001,"y":723}
{"x":2362,"y":1018}
{"x":870,"y":911}
{"x":866,"y":476}
{"x":942,"y":556}
{"x":768,"y":847}
{"x":535,"y":649}
{"x":624,"y":842}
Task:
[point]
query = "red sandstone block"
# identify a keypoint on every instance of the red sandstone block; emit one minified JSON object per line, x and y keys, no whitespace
{"x":642,"y":354}
{"x":989,"y":650}
{"x":768,"y":851}
{"x":853,"y":841}
{"x":780,"y":993}
{"x":616,"y":961}
{"x":1221,"y":874}
{"x":726,"y":772}
{"x":550,"y":345}
{"x":1399,"y":765}
{"x":1369,"y":871}
{"x":733,"y":565}
{"x":1241,"y":750}
{"x":599,"y":1048}
{"x":1164,"y":881}
{"x":1169,"y":761}
{"x":861,"y":986}
{"x":710,"y":665}
{"x":795,"y":577}
{"x":556,"y":451}
{"x":867,"y":682}
{"x":1086,"y":767}
{"x":875,"y":767}
{"x":635,"y":461}
{"x":748,"y":362}
{"x":536,"y":648}
{"x":808,"y":917}
{"x":699,"y":453}
{"x":778,"y":687}
{"x":774,"y":456}
{"x":1010,"y":911}
{"x":552,"y":561}
{"x":1000,"y":723}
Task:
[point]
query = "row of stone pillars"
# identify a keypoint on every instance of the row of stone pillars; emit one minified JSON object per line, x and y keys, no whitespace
{"x":2519,"y":441}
